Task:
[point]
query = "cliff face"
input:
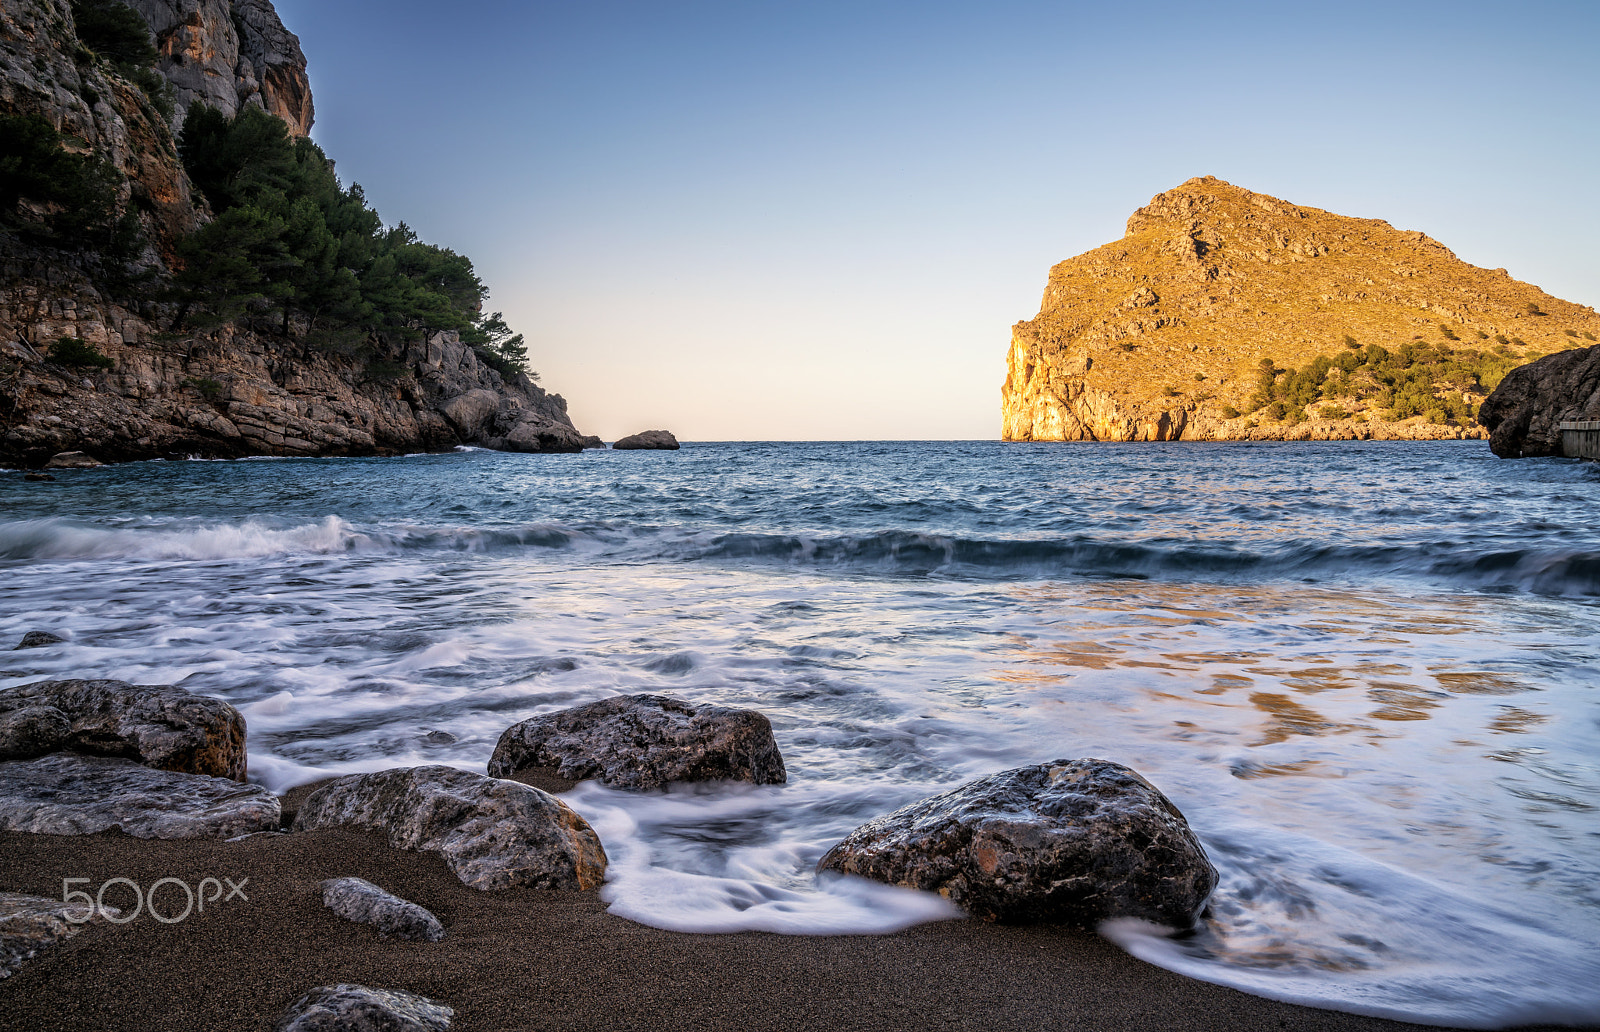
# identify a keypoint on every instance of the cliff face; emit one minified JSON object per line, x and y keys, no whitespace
{"x":1524,"y":414}
{"x":230,"y":391}
{"x":1159,"y":335}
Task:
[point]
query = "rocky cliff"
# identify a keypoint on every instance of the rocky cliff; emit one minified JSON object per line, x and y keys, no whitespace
{"x":1524,"y":414}
{"x":1164,"y":334}
{"x":235,"y":389}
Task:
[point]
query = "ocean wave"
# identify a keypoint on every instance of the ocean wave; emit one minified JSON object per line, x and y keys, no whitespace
{"x":1546,"y":571}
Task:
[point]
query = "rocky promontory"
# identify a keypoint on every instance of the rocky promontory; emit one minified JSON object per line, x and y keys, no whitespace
{"x":1224,"y":314}
{"x":1525,"y":413}
{"x":152,"y":306}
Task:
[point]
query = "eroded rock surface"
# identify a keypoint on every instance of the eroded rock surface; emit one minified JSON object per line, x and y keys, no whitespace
{"x":356,"y":899}
{"x":356,"y":1008}
{"x":660,"y":440}
{"x":1076,"y":841}
{"x":63,"y":794}
{"x":493,"y":834}
{"x":158,"y":725}
{"x":641,"y":742}
{"x":29,"y":924}
{"x":1524,"y":414}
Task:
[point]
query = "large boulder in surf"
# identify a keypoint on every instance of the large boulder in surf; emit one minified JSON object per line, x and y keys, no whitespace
{"x":1075,"y":841}
{"x":158,"y":725}
{"x":648,"y":440}
{"x":493,"y":834}
{"x":65,"y":794}
{"x":641,"y":742}
{"x":357,"y":1008}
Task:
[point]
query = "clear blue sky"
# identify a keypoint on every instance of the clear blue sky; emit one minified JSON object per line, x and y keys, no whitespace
{"x":748,"y":220}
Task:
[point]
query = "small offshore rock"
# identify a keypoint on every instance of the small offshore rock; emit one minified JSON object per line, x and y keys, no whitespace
{"x":37,"y":476}
{"x":493,"y":834}
{"x":159,"y":725}
{"x":439,"y":738}
{"x":641,"y":742}
{"x":1076,"y":841}
{"x":72,"y":460}
{"x":29,"y":924}
{"x":648,"y":439}
{"x":38,"y":640}
{"x":356,"y":899}
{"x":591,"y":441}
{"x":63,"y":794}
{"x":356,"y":1008}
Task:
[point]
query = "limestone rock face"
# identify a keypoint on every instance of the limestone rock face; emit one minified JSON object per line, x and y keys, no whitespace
{"x":29,"y":924}
{"x":356,"y":1008}
{"x":493,"y":834}
{"x":65,"y":794}
{"x":659,"y":440}
{"x":1076,"y":841}
{"x":229,"y":53}
{"x":1524,"y":414}
{"x":641,"y":742}
{"x":356,"y":899}
{"x":1158,"y":335}
{"x":160,"y":726}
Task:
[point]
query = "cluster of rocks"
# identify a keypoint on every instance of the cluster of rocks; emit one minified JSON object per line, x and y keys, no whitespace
{"x":1070,"y":840}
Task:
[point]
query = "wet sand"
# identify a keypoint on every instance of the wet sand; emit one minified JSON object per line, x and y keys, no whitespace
{"x":529,"y":959}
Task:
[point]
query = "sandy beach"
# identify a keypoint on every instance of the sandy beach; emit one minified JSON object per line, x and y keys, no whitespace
{"x":530,"y":959}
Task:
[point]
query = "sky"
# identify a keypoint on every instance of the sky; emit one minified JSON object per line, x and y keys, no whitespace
{"x":749,"y":220}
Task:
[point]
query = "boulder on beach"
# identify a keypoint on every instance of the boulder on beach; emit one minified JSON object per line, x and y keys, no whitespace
{"x":29,"y":924}
{"x":158,"y":725}
{"x":493,"y":834}
{"x":1075,"y":841}
{"x":72,"y":460}
{"x":358,"y":900}
{"x":641,"y":742}
{"x":63,"y":794}
{"x":661,"y":440}
{"x":356,"y":1008}
{"x":38,"y":640}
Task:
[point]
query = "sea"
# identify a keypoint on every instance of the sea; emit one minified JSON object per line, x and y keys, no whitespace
{"x":1367,"y":672}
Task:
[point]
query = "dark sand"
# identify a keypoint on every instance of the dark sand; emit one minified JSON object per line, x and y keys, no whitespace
{"x":529,"y":959}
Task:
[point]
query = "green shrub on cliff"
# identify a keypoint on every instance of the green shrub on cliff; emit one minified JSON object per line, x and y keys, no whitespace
{"x":115,"y":32}
{"x":51,"y":194}
{"x":78,"y":353}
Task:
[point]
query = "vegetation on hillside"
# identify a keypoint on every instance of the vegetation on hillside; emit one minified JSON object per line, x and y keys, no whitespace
{"x":54,"y":196}
{"x":117,"y":33}
{"x":1417,"y":379}
{"x":291,"y":245}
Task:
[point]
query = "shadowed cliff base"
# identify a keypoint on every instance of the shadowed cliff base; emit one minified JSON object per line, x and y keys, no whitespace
{"x":1224,"y":314}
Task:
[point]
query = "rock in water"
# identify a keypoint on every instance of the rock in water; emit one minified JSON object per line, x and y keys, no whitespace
{"x":1524,"y":414}
{"x":649,"y":439}
{"x":80,"y":795}
{"x":1077,"y":841}
{"x":38,"y":640}
{"x":159,"y":725}
{"x":642,"y":742}
{"x":494,"y":834}
{"x":356,"y":1008}
{"x":356,"y":899}
{"x":29,"y":924}
{"x":72,"y":460}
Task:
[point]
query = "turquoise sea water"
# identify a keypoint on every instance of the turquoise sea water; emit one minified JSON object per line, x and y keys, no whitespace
{"x":1368,"y":673}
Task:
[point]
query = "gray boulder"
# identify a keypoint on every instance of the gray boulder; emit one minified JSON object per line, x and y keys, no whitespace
{"x":38,"y":640}
{"x":65,"y":794}
{"x":356,"y":899}
{"x":160,"y":726}
{"x":1076,"y":841}
{"x":72,"y":460}
{"x":640,"y":742}
{"x":29,"y":924}
{"x":493,"y":834}
{"x":356,"y":1008}
{"x":649,"y":439}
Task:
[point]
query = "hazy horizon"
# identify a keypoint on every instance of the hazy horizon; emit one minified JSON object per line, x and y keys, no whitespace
{"x":754,"y":223}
